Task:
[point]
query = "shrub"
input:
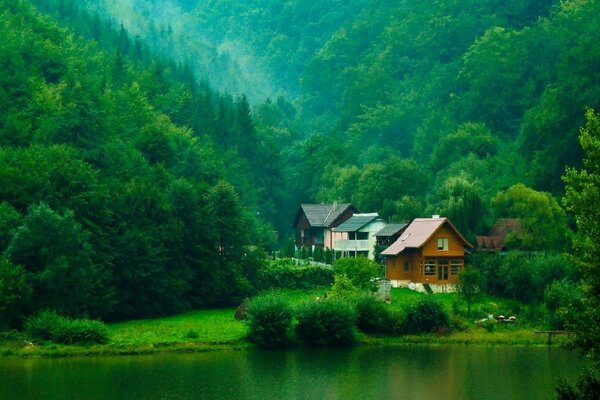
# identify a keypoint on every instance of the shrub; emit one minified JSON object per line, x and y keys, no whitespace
{"x":458,"y":324}
{"x":587,"y":387}
{"x":192,"y":334}
{"x":343,"y":288}
{"x":326,"y":323}
{"x":427,"y":315}
{"x":269,"y":319}
{"x":561,"y":298}
{"x":284,"y":274}
{"x":360,"y":270}
{"x":372,"y":316}
{"x":48,"y":325}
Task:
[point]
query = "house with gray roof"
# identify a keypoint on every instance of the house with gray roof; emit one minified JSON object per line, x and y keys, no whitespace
{"x":360,"y":230}
{"x":314,"y":223}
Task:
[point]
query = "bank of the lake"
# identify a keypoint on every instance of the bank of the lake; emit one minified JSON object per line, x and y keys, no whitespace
{"x":217,"y":330}
{"x":194,"y":332}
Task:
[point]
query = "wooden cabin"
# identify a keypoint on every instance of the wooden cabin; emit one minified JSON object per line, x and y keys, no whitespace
{"x":430,"y":250}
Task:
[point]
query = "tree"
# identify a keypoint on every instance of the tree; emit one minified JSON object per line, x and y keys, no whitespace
{"x":57,"y":255}
{"x":461,"y":202}
{"x":544,"y":222}
{"x":582,"y":198}
{"x":15,"y":293}
{"x":359,"y":270}
{"x":469,"y":286}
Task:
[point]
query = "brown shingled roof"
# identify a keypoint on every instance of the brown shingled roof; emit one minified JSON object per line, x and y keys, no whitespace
{"x":494,"y":241}
{"x":417,"y":234}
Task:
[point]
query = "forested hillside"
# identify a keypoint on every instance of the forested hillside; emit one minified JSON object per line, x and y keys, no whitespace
{"x":116,"y":199}
{"x":503,"y":84}
{"x":146,"y":146}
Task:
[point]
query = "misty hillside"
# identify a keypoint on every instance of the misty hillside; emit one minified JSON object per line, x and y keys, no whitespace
{"x":401,"y":107}
{"x":258,"y":48}
{"x":134,"y":181}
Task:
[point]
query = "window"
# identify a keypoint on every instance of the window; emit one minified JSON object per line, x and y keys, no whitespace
{"x":429,"y":267}
{"x":362,"y":235}
{"x":443,"y":244}
{"x":455,"y":266}
{"x":406,"y":266}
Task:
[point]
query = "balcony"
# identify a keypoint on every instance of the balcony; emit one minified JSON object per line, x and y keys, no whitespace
{"x":352,"y":245}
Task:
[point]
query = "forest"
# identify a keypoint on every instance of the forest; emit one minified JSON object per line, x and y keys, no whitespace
{"x":151,"y":151}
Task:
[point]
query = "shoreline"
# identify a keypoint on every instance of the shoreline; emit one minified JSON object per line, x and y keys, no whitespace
{"x":525,"y":338}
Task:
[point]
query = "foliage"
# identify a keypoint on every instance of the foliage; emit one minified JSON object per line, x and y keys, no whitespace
{"x":359,"y":270}
{"x":587,"y":387}
{"x":15,"y":293}
{"x":48,"y":325}
{"x":469,"y":286}
{"x":269,"y":320}
{"x":582,"y":197}
{"x":425,"y":316}
{"x":326,"y":323}
{"x":343,"y":288}
{"x":544,"y":223}
{"x":114,"y":196}
{"x":562,"y":299}
{"x":57,"y":254}
{"x":374,"y":317}
{"x":283,"y":273}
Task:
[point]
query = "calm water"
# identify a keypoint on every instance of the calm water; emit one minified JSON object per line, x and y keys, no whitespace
{"x":453,"y":372}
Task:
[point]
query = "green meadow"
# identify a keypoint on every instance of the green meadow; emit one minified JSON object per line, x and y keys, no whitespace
{"x":217,"y":329}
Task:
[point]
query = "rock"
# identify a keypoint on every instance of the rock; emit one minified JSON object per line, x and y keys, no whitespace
{"x":242,"y":310}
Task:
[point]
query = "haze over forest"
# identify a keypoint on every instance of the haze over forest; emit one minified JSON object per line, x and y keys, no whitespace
{"x":160,"y":133}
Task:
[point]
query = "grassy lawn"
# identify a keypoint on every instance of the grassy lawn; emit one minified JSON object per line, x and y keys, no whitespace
{"x":209,"y":326}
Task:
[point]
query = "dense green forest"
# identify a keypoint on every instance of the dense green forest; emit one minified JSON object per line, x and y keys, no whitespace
{"x":390,"y":86}
{"x":148,"y":148}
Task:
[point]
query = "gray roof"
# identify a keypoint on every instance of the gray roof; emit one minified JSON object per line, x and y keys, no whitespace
{"x":391,"y":229}
{"x":356,"y":222}
{"x":322,"y":215}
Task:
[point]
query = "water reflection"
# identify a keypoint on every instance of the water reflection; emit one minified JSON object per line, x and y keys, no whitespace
{"x":452,"y":372}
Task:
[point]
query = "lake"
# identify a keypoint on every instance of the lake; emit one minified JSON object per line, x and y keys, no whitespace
{"x":416,"y":372}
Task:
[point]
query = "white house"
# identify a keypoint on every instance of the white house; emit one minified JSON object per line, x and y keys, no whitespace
{"x":361,"y":239}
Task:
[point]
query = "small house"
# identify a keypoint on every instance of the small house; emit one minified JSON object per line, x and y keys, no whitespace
{"x":429,"y":251}
{"x":314,"y":223}
{"x":359,"y":231}
{"x":495,"y":241}
{"x":390,"y":233}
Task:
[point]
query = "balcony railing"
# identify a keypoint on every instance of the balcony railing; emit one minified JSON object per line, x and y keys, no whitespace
{"x":352,"y":245}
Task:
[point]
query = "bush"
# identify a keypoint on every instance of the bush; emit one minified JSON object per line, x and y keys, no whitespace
{"x":373,"y":317}
{"x":326,"y":323}
{"x":48,"y":325}
{"x":285,"y":275}
{"x":343,"y":288}
{"x":561,"y":298}
{"x":587,"y":387}
{"x":427,"y":315}
{"x":360,"y":270}
{"x":269,"y":319}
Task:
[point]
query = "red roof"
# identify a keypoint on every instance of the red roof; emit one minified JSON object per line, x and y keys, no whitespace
{"x":494,"y":241}
{"x":417,"y":234}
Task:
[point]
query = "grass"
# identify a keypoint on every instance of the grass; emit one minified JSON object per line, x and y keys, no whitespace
{"x":208,"y":326}
{"x":217,"y":329}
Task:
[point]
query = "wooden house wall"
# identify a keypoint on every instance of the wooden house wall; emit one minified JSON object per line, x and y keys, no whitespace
{"x":429,"y":252}
{"x":456,"y":247}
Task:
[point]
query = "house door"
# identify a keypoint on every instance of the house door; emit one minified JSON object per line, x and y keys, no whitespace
{"x":442,"y":270}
